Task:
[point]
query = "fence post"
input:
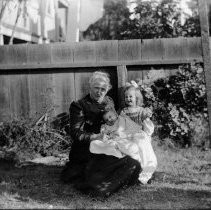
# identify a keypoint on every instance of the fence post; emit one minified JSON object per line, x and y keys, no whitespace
{"x":205,"y":42}
{"x":122,"y":79}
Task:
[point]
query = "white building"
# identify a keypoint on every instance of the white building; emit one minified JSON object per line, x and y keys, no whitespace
{"x":41,"y":21}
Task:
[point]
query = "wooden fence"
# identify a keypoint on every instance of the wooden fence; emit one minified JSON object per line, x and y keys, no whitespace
{"x":34,"y":78}
{"x":101,"y":53}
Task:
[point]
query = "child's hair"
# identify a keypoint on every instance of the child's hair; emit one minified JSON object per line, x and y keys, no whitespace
{"x":139,"y":96}
{"x":107,"y":111}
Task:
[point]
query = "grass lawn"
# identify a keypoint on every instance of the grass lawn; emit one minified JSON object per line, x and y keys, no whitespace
{"x":182,"y":181}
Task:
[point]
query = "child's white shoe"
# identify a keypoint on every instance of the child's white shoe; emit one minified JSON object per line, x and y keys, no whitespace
{"x":144,"y":177}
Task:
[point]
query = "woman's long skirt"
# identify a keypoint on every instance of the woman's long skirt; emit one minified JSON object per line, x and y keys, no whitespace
{"x":101,"y":175}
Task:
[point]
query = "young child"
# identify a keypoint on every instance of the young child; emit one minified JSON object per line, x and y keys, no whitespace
{"x":140,"y":115}
{"x":122,"y":136}
{"x":133,"y":109}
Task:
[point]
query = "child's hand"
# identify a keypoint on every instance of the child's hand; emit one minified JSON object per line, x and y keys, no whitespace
{"x":114,"y":134}
{"x":147,"y":113}
{"x":105,"y":138}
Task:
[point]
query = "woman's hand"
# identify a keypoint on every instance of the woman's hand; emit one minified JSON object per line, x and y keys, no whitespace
{"x":98,"y":136}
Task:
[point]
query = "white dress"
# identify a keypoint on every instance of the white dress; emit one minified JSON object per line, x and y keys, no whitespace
{"x":127,"y":138}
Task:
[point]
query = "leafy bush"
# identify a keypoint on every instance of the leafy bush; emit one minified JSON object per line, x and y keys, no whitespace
{"x":179,"y":105}
{"x":27,"y":139}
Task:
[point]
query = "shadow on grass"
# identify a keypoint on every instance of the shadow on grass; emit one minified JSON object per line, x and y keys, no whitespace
{"x":163,"y":177}
{"x":41,"y":183}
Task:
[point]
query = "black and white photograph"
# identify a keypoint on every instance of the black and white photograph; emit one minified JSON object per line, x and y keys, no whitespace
{"x":105,"y":104}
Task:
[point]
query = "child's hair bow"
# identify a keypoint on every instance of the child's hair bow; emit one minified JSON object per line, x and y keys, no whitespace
{"x":132,"y":83}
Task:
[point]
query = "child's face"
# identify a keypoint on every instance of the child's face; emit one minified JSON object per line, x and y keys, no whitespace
{"x":110,"y":118}
{"x":130,"y":98}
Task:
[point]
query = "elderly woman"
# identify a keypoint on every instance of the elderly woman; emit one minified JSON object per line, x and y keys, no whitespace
{"x":97,"y":174}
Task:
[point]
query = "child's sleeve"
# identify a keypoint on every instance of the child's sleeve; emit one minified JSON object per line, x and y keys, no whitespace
{"x":103,"y":129}
{"x":148,"y":126}
{"x":122,"y":113}
{"x":146,"y":113}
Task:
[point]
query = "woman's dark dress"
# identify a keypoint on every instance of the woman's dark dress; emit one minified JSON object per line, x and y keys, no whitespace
{"x":95,"y":173}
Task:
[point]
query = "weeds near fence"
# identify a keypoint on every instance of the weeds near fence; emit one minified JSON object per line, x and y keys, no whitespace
{"x":24,"y":139}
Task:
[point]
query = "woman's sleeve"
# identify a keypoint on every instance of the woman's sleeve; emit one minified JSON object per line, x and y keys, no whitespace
{"x":77,"y":122}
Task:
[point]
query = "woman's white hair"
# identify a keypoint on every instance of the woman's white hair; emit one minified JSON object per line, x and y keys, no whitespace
{"x":100,"y":76}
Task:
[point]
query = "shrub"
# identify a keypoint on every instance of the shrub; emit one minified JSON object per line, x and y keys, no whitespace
{"x":179,"y":105}
{"x":27,"y":139}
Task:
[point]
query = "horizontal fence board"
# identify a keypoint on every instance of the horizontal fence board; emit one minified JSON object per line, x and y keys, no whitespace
{"x":17,"y":54}
{"x":84,"y":52}
{"x":152,"y":49}
{"x":173,"y":49}
{"x":129,"y":50}
{"x":184,"y":51}
{"x":194,"y":49}
{"x":106,"y":51}
{"x":3,"y":55}
{"x":101,"y":53}
{"x":62,"y":52}
{"x":39,"y":54}
{"x":102,"y":64}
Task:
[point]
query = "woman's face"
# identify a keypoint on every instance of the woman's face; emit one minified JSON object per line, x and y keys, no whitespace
{"x":98,"y":90}
{"x":130,"y":98}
